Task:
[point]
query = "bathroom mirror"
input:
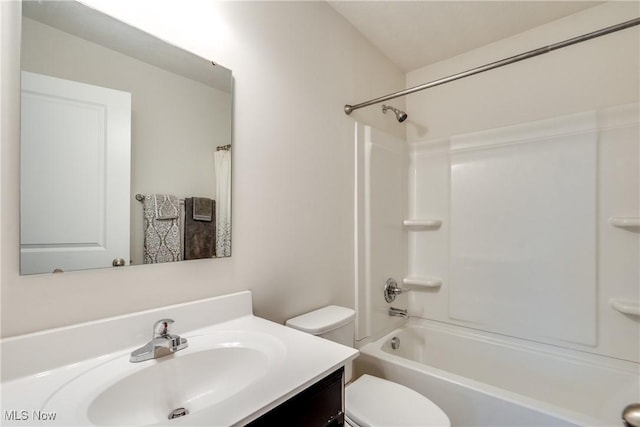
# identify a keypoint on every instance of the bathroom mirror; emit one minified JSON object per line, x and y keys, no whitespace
{"x":113,"y":121}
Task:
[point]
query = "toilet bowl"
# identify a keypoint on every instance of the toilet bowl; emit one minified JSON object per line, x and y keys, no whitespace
{"x":370,"y":401}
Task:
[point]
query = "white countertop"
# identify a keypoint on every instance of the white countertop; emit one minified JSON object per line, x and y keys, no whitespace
{"x":302,"y":360}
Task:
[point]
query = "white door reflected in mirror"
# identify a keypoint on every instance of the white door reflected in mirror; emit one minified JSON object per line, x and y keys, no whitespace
{"x":75,"y":162}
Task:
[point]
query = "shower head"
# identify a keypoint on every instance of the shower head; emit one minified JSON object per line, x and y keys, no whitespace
{"x":400,"y":115}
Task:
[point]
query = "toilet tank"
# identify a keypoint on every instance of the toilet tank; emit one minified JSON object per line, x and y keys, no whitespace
{"x":333,"y":322}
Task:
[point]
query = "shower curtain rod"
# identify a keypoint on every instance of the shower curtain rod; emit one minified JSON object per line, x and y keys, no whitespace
{"x":516,"y":58}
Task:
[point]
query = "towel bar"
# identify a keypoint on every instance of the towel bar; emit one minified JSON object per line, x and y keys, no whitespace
{"x":140,"y":198}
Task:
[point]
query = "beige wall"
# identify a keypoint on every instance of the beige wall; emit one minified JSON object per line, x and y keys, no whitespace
{"x":594,"y":74}
{"x":295,"y":65}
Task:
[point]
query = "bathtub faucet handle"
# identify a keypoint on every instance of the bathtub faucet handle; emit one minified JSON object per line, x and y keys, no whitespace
{"x":391,"y":289}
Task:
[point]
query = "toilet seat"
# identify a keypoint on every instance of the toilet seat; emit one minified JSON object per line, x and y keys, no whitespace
{"x":375,"y":402}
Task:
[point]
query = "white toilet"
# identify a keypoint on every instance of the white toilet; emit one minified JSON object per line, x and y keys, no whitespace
{"x":370,"y":401}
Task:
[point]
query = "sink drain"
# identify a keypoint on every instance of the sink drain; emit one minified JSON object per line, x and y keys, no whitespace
{"x":177,"y":413}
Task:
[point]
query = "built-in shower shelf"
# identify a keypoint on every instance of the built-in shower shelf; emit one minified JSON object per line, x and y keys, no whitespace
{"x":625,"y":222}
{"x":626,"y":306}
{"x":422,"y":223}
{"x":425,"y":282}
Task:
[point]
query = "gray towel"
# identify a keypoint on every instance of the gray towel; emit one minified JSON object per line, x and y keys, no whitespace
{"x":202,"y":209}
{"x":199,"y":236}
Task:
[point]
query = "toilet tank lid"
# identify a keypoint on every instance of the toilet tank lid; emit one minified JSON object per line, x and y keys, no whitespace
{"x":323,"y":320}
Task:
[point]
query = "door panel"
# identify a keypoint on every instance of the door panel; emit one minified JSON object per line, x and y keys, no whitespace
{"x":71,"y":130}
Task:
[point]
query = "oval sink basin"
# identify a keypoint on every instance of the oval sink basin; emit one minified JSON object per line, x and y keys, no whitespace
{"x":214,"y":368}
{"x":193,"y":382}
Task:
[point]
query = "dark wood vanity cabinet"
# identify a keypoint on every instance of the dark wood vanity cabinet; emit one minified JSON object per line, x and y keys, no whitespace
{"x":320,"y":405}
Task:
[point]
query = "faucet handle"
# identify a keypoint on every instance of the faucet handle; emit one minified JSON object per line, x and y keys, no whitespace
{"x":161,"y":327}
{"x":391,"y":289}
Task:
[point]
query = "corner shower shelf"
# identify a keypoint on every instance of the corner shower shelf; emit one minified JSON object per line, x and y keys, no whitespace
{"x":626,"y":306}
{"x":422,"y":223}
{"x":625,"y":222}
{"x":425,"y":282}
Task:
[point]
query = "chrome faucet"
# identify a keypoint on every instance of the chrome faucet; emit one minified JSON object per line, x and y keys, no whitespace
{"x":162,"y":343}
{"x":398,"y":312}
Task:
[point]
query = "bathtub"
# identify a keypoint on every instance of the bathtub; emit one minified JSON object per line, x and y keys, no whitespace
{"x":482,"y":379}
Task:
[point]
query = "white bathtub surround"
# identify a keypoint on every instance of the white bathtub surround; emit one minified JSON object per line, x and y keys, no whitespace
{"x":60,"y":371}
{"x":568,"y":349}
{"x":380,"y":211}
{"x":523,"y":229}
{"x":483,"y":379}
{"x":535,"y":256}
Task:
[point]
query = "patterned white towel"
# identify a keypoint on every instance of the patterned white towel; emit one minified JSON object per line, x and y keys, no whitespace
{"x":162,"y":242}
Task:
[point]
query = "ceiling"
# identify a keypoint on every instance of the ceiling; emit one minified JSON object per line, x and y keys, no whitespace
{"x":413,"y":34}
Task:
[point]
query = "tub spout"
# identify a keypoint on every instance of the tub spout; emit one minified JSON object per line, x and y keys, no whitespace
{"x":398,"y":312}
